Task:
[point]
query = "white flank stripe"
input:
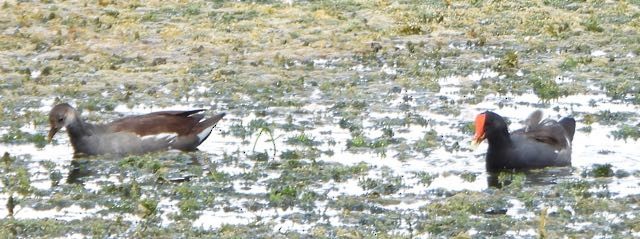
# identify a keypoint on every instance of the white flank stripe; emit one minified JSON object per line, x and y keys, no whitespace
{"x":203,"y":134}
{"x":167,"y":137}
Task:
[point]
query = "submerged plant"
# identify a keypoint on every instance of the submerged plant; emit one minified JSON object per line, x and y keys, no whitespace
{"x":428,"y":142}
{"x":626,"y":131}
{"x":263,"y":127}
{"x":601,"y":170}
{"x":546,"y":89}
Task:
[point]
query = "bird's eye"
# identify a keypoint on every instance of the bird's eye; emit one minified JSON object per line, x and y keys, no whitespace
{"x":60,"y":120}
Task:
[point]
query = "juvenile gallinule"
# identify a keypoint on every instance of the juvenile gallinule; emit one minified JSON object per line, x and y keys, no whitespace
{"x":539,"y":144}
{"x":182,"y":130}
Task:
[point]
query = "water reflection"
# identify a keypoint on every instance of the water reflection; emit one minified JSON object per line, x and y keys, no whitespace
{"x":79,"y":169}
{"x":538,"y":177}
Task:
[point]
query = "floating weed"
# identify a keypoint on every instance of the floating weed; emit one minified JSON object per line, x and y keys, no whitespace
{"x":385,"y":186}
{"x":308,"y":200}
{"x":189,"y":208}
{"x":129,"y":190}
{"x":511,"y":180}
{"x":415,"y":119}
{"x":17,"y":136}
{"x":546,"y":89}
{"x":7,"y":160}
{"x":588,"y":206}
{"x":342,"y":173}
{"x":292,"y":164}
{"x":148,"y":207}
{"x":11,"y":204}
{"x":238,"y":130}
{"x":425,"y":177}
{"x":42,"y":228}
{"x":586,"y":129}
{"x":468,"y":176}
{"x":383,"y":141}
{"x":290,"y":125}
{"x":302,"y":139}
{"x":357,"y":141}
{"x":467,"y":128}
{"x":17,"y":180}
{"x":349,"y":204}
{"x":599,"y":171}
{"x":429,"y":141}
{"x":623,"y":89}
{"x":452,"y":215}
{"x":626,"y":131}
{"x":577,"y":189}
{"x":192,"y":197}
{"x":220,"y":178}
{"x":259,"y":156}
{"x":589,"y":119}
{"x":148,"y":161}
{"x":606,"y":117}
{"x":349,"y":124}
{"x":290,"y":154}
{"x":284,"y":197}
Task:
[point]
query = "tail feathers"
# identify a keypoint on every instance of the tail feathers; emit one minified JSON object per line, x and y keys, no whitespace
{"x":533,"y":120}
{"x":569,"y":125}
{"x":204,"y":128}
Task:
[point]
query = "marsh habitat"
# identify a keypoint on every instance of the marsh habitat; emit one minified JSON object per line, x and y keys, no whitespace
{"x":345,"y":119}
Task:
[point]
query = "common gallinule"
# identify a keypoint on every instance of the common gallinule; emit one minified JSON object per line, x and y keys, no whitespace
{"x":182,"y":130}
{"x":539,"y":144}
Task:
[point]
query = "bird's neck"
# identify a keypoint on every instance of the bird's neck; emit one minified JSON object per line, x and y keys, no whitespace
{"x":499,"y":145}
{"x":78,"y":130}
{"x":499,"y":138}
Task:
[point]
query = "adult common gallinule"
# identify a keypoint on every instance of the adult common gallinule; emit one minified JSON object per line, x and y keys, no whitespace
{"x":539,"y":144}
{"x":182,"y":130}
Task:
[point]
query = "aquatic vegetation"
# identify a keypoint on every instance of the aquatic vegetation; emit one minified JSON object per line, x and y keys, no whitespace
{"x":345,"y":118}
{"x":17,"y":136}
{"x":428,"y":142}
{"x":600,"y":170}
{"x":627,"y":131}
{"x":546,"y":89}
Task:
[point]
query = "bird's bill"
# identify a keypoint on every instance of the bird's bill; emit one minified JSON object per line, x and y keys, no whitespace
{"x":477,"y":140}
{"x":52,"y":132}
{"x":479,"y":135}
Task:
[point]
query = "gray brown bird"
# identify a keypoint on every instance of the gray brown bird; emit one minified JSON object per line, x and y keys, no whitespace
{"x":164,"y":130}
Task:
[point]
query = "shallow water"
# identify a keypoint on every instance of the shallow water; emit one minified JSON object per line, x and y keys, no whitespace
{"x":369,"y":105}
{"x":321,"y":125}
